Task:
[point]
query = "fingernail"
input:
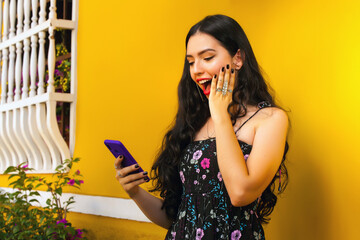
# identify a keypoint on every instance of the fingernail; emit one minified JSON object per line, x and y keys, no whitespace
{"x":215,"y":76}
{"x":222,"y":69}
{"x":232,"y":70}
{"x":146,"y":179}
{"x":120,"y":156}
{"x":227,"y":66}
{"x":145,"y":173}
{"x":137,"y":165}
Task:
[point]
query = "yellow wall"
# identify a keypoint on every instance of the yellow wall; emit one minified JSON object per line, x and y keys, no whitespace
{"x":130,"y":56}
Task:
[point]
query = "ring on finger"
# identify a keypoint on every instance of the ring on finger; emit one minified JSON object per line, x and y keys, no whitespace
{"x":219,"y":89}
{"x":116,"y":166}
{"x":224,"y":91}
{"x":230,"y":90}
{"x":225,"y":88}
{"x":119,"y":174}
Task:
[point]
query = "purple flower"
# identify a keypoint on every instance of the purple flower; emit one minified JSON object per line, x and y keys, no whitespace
{"x":246,"y":156}
{"x":199,"y":233}
{"x":58,"y":73}
{"x":79,"y":233}
{"x":62,"y":221}
{"x":71,"y":182}
{"x":205,"y":163}
{"x":219,"y":176}
{"x":198,"y":170}
{"x":203,"y":176}
{"x":196,"y":182}
{"x":77,"y":172}
{"x":182,"y":177}
{"x":25,"y":166}
{"x":81,"y":181}
{"x":235,"y":235}
{"x":173,"y":234}
{"x":197,"y":154}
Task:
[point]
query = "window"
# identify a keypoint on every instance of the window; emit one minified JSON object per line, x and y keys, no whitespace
{"x":38,"y":82}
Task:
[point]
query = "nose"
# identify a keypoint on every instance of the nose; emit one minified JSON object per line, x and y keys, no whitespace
{"x":197,"y":68}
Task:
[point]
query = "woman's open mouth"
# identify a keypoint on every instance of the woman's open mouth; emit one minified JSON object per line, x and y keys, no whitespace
{"x":205,"y":84}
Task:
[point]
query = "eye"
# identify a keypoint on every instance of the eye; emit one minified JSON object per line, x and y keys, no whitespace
{"x":191,"y":63}
{"x":208,"y":58}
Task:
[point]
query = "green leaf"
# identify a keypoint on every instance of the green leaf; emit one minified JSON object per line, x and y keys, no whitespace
{"x":34,"y":200}
{"x":12,"y":183}
{"x":12,"y":175}
{"x":34,"y":193}
{"x":10,"y":169}
{"x":50,"y":231}
{"x":58,"y":191}
{"x":38,"y":185}
{"x":16,"y":229}
{"x":58,"y":168}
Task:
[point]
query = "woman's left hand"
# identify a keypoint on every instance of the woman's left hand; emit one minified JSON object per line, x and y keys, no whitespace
{"x":221,"y":93}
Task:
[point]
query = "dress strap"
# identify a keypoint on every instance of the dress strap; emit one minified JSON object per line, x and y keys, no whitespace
{"x":260,"y":105}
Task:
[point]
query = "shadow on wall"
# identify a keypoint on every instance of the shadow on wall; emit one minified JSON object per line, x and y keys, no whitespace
{"x":304,"y":211}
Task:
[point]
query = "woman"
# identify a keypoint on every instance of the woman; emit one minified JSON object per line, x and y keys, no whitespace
{"x":216,"y":174}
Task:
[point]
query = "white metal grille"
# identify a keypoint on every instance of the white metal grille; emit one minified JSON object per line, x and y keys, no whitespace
{"x":29,"y":130}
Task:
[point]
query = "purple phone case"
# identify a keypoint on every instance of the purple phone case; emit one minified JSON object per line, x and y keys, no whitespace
{"x":117,"y":148}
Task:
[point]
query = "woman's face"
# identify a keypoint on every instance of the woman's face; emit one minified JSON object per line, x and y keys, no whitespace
{"x":206,"y":57}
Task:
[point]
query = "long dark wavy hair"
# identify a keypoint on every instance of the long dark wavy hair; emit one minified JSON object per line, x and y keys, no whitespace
{"x":193,"y":112}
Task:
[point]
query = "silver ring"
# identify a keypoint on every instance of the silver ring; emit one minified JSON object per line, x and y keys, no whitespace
{"x":116,"y":166}
{"x":224,"y":91}
{"x":230,"y":91}
{"x":119,"y":174}
{"x":219,"y":90}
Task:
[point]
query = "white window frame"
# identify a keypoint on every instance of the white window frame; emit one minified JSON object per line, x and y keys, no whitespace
{"x":28,"y":126}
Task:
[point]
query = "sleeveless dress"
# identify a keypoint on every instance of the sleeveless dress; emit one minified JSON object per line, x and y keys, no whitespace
{"x":206,"y":211}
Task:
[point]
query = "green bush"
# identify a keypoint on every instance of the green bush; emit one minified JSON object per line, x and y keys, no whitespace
{"x":20,"y":219}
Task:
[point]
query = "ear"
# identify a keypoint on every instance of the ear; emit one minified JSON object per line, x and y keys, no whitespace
{"x":237,"y":60}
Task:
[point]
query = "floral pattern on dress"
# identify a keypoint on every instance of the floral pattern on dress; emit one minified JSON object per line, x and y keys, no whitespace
{"x":206,"y":211}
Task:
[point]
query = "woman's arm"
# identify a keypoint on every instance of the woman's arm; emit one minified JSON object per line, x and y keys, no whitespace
{"x":246,"y":180}
{"x":148,"y":204}
{"x":151,"y":207}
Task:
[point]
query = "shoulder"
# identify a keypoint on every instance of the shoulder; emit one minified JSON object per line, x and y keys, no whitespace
{"x":273,"y":116}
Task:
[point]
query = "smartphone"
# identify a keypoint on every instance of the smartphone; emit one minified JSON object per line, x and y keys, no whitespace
{"x":117,"y":149}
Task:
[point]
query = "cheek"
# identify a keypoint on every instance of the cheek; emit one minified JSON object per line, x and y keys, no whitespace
{"x":216,"y":67}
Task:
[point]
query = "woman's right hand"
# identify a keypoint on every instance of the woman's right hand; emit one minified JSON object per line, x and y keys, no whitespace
{"x":130,"y":182}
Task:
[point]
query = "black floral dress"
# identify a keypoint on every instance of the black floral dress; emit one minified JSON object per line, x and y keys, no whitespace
{"x":205,"y":211}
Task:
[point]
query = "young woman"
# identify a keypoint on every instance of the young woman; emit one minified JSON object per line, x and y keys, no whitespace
{"x":218,"y":164}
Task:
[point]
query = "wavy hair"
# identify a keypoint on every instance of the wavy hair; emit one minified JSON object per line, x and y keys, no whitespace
{"x":250,"y":89}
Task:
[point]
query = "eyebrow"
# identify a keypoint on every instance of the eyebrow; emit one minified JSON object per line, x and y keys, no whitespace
{"x":202,"y":52}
